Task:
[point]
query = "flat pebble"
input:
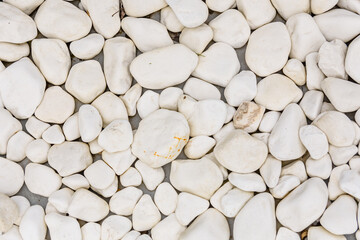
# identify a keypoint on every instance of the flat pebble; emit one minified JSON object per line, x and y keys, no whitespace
{"x":268,"y":49}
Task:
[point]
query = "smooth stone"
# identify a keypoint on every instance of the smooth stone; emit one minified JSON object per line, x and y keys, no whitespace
{"x":342,"y":155}
{"x":147,"y":34}
{"x":131,"y":97}
{"x":99,"y":175}
{"x":315,"y":233}
{"x":131,"y":177}
{"x":321,"y":6}
{"x":296,"y":168}
{"x":119,"y":161}
{"x":90,"y":123}
{"x":76,"y":181}
{"x":344,"y":24}
{"x":117,"y":136}
{"x":169,"y":98}
{"x":147,"y":103}
{"x":333,"y":185}
{"x":287,"y":9}
{"x":12,"y":177}
{"x":24,"y":5}
{"x":319,"y":167}
{"x":303,"y":205}
{"x":35,"y":127}
{"x":105,"y":16}
{"x":53,"y":135}
{"x":147,"y":68}
{"x":16,"y":26}
{"x":340,"y":217}
{"x":314,"y":76}
{"x":91,"y":231}
{"x":52,"y":57}
{"x":191,"y":13}
{"x":233,"y":201}
{"x":285,"y":185}
{"x":196,"y":38}
{"x":268,"y":49}
{"x":257,"y":13}
{"x":9,"y":213}
{"x":170,"y":20}
{"x":57,"y":18}
{"x":218,"y":64}
{"x":277,"y":91}
{"x":119,"y":52}
{"x":295,"y":70}
{"x":32,"y":225}
{"x":352,"y":59}
{"x":210,"y":225}
{"x":248,"y":116}
{"x":110,"y":107}
{"x":166,"y":198}
{"x":305,"y":35}
{"x":256,"y":220}
{"x":123,"y":202}
{"x":167,"y":229}
{"x":343,"y":94}
{"x":198,"y":146}
{"x":22,"y":204}
{"x":199,"y":177}
{"x":16,"y":147}
{"x":87,"y":47}
{"x":61,"y":199}
{"x":71,"y":127}
{"x":115,"y":227}
{"x":22,"y":88}
{"x":156,"y":146}
{"x":348,"y":182}
{"x":220,"y":6}
{"x":189,"y":206}
{"x":270,"y":171}
{"x":152,"y":177}
{"x":69,"y":157}
{"x":41,"y":180}
{"x":12,"y":234}
{"x":311,"y":103}
{"x":286,"y":234}
{"x":87,"y":206}
{"x":337,"y":127}
{"x":216,"y":198}
{"x":249,"y":182}
{"x":268,"y":121}
{"x":10,"y":52}
{"x":314,"y":140}
{"x":86,"y":81}
{"x":350,"y":5}
{"x":145,"y":215}
{"x":242,"y":87}
{"x":284,"y":141}
{"x":245,"y":159}
{"x":231,"y":27}
{"x":201,"y":90}
{"x":332,"y":59}
{"x":63,"y":227}
{"x":141,"y":8}
{"x":56,"y":106}
{"x":203,"y":111}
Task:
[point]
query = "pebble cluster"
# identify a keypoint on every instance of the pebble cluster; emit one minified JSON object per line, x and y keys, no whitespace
{"x":273,"y":145}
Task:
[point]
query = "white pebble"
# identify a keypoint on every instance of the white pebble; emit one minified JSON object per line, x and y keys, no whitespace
{"x":99,"y":175}
{"x":90,"y":123}
{"x":218,"y":64}
{"x":53,"y":135}
{"x":189,"y":206}
{"x":191,"y":13}
{"x":198,"y":146}
{"x":268,"y":49}
{"x":119,"y":52}
{"x":147,"y":34}
{"x":242,"y":87}
{"x":16,"y":147}
{"x":87,"y":47}
{"x":147,"y":103}
{"x":319,"y":167}
{"x":145,"y":215}
{"x":32,"y":225}
{"x":76,"y":181}
{"x":124,"y":201}
{"x":131,"y":177}
{"x":196,"y":38}
{"x":115,"y":227}
{"x":257,"y":13}
{"x":165,"y":198}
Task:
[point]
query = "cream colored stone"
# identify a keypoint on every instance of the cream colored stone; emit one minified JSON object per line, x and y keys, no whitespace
{"x":268,"y":49}
{"x":196,"y":38}
{"x":248,"y":116}
{"x":257,"y":13}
